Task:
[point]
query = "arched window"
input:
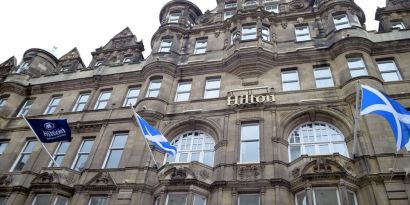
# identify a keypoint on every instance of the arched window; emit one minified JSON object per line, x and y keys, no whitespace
{"x":193,"y":146}
{"x":316,"y":138}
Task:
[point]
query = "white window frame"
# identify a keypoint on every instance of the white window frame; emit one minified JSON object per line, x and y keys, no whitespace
{"x":177,"y":193}
{"x":79,"y":102}
{"x":285,"y":81}
{"x":74,"y":165}
{"x":23,"y":153}
{"x":52,"y":105}
{"x":228,"y":14}
{"x":174,"y":16}
{"x":26,"y":107}
{"x":398,"y":25}
{"x":106,"y":199}
{"x":3,"y":144}
{"x":57,"y":154}
{"x":165,"y":45}
{"x":150,"y":89}
{"x":187,"y":149}
{"x":301,"y":34}
{"x":265,"y":33}
{"x":179,"y":91}
{"x":201,"y":46}
{"x":131,"y":98}
{"x":249,"y":34}
{"x":244,"y":141}
{"x":259,"y":197}
{"x":342,"y":24}
{"x":363,"y":68}
{"x":317,"y":78}
{"x":208,"y":90}
{"x":3,"y":101}
{"x":331,"y":142}
{"x":100,"y":101}
{"x":59,"y":196}
{"x":395,"y":70}
{"x":111,"y":148}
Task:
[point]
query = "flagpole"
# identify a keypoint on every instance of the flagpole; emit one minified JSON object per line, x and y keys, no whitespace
{"x":146,"y":141}
{"x":356,"y":119}
{"x":40,"y":141}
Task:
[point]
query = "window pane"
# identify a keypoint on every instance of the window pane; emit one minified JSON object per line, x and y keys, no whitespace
{"x":211,"y":94}
{"x":2,"y":148}
{"x":301,"y":199}
{"x":356,"y":73}
{"x":133,"y":92}
{"x":310,"y":150}
{"x":324,"y":149}
{"x":351,"y":198}
{"x":340,"y":148}
{"x":58,"y":159}
{"x":322,"y":73}
{"x":114,"y":159}
{"x":97,"y":201}
{"x":290,"y":76}
{"x":294,"y":152}
{"x":2,"y":200}
{"x":87,"y":145}
{"x":81,"y":162}
{"x":355,"y":63}
{"x":63,"y":147}
{"x":183,"y":157}
{"x":291,"y":86}
{"x":391,"y":76}
{"x":324,"y":83}
{"x":177,"y":199}
{"x":119,"y":141}
{"x":209,"y":158}
{"x":60,"y":200}
{"x":184,"y":87}
{"x":153,"y":93}
{"x":22,"y":161}
{"x":250,"y":151}
{"x":42,"y":199}
{"x":326,"y":197}
{"x":30,"y":146}
{"x":199,"y":200}
{"x":249,"y":199}
{"x":182,"y":97}
{"x":249,"y":131}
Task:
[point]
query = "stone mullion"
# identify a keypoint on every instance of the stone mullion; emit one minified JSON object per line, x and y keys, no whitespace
{"x":190,"y":197}
{"x":309,"y":194}
{"x":234,"y":197}
{"x":343,"y":193}
{"x":30,"y":198}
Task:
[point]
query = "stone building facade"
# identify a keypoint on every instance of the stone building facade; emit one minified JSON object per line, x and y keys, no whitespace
{"x":257,"y":95}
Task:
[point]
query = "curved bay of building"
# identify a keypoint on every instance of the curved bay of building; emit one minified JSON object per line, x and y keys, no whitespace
{"x":259,"y":97}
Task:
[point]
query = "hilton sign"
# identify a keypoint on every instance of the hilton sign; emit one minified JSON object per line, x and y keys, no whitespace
{"x":249,"y":99}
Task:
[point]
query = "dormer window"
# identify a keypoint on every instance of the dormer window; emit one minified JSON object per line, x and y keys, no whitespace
{"x":341,"y":21}
{"x":98,"y":63}
{"x":174,"y":16}
{"x":22,"y":67}
{"x":398,"y":25}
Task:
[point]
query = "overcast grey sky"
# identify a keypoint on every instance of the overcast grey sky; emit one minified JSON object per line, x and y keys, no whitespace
{"x":88,"y":25}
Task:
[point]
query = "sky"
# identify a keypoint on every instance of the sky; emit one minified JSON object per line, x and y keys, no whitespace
{"x":88,"y":25}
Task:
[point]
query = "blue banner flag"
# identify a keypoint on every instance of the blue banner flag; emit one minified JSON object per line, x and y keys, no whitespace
{"x":155,"y":136}
{"x":375,"y":102}
{"x":49,"y":131}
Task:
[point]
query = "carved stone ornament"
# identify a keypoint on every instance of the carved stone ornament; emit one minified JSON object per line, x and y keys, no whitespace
{"x":6,"y":180}
{"x":321,"y":166}
{"x":296,"y":5}
{"x":284,"y":25}
{"x":179,"y":174}
{"x":204,"y":174}
{"x":296,"y":172}
{"x":46,"y":178}
{"x":249,"y":172}
{"x":102,"y":178}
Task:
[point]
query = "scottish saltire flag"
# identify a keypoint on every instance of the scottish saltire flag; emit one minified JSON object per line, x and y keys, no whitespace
{"x":155,"y":136}
{"x":49,"y":131}
{"x":375,"y":102}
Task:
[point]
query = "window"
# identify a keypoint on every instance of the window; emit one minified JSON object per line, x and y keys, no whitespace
{"x":127,"y":60}
{"x":248,"y":32}
{"x":97,"y":200}
{"x":272,"y":7}
{"x":302,"y":33}
{"x":59,"y":154}
{"x":132,"y":97}
{"x":183,"y":91}
{"x":82,"y":155}
{"x":199,"y":200}
{"x":251,"y":3}
{"x":3,"y":101}
{"x":398,"y":24}
{"x":24,"y":156}
{"x":356,"y":67}
{"x":52,"y":106}
{"x":265,"y":33}
{"x":351,"y":198}
{"x":98,"y":63}
{"x":323,"y":77}
{"x":200,"y":46}
{"x":174,"y":16}
{"x":165,"y":45}
{"x":249,"y":142}
{"x":388,"y":70}
{"x":231,"y":5}
{"x":233,"y":35}
{"x":103,"y":100}
{"x":26,"y":107}
{"x":115,"y":151}
{"x":23,"y":67}
{"x":157,"y":200}
{"x":325,"y":196}
{"x":154,"y":87}
{"x":61,"y":200}
{"x":212,"y":87}
{"x":177,"y":199}
{"x":41,"y":199}
{"x":341,"y":21}
{"x":3,"y":146}
{"x":316,"y":138}
{"x":248,"y":199}
{"x":290,"y":80}
{"x":301,"y":198}
{"x":81,"y":102}
{"x":2,"y":200}
{"x":193,"y":146}
{"x":229,"y":14}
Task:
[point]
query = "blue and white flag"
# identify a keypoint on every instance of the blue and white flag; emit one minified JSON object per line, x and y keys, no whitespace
{"x":375,"y":102}
{"x":155,"y":136}
{"x":49,"y":131}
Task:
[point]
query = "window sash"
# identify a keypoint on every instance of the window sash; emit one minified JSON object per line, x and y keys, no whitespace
{"x":250,"y":135}
{"x":59,"y":154}
{"x":81,"y":102}
{"x":243,"y":201}
{"x":302,"y":33}
{"x":231,"y":5}
{"x":165,"y":45}
{"x":183,"y":91}
{"x":200,"y":46}
{"x":3,"y":146}
{"x":24,"y":155}
{"x":323,"y":77}
{"x":132,"y":97}
{"x":97,"y":200}
{"x":327,"y":196}
{"x":399,"y":25}
{"x":117,"y":146}
{"x":81,"y":153}
{"x":26,"y":107}
{"x":2,"y":102}
{"x":183,"y":201}
{"x":52,"y":105}
{"x":174,"y":17}
{"x":341,"y":21}
{"x":272,"y":7}
{"x":357,"y":67}
{"x":265,"y":33}
{"x":249,"y":32}
{"x":41,"y":199}
{"x":103,"y":99}
{"x":61,"y":200}
{"x":154,"y":88}
{"x":388,"y":70}
{"x":290,"y":80}
{"x":229,"y":14}
{"x":212,"y":88}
